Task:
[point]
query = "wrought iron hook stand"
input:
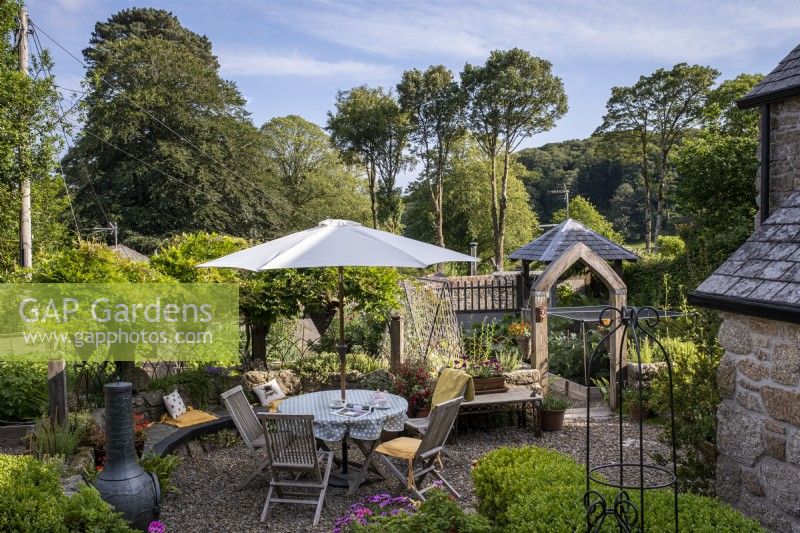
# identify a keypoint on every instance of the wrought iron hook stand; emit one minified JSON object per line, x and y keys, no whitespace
{"x":608,"y":488}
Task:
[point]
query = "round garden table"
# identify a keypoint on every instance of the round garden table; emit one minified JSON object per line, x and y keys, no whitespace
{"x":365,"y":430}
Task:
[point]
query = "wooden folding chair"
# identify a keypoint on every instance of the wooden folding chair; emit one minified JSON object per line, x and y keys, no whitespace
{"x":249,"y":429}
{"x":292,"y":448}
{"x":421,"y":454}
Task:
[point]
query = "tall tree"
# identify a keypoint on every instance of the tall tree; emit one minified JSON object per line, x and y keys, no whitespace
{"x":467,"y":205}
{"x":715,"y":190}
{"x":435,"y":104}
{"x":512,"y":96}
{"x":369,"y":127}
{"x":316,"y":183}
{"x":167,"y":145}
{"x":652,"y":117}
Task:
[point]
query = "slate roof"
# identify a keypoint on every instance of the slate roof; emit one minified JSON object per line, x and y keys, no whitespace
{"x":782,"y":82}
{"x":128,"y":253}
{"x":556,"y":241}
{"x":766,"y":268}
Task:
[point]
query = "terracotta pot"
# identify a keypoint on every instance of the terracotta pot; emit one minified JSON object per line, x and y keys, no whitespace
{"x":490,"y":384}
{"x":551,"y":420}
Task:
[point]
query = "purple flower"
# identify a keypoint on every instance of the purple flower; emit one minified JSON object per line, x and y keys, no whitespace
{"x":438,"y":483}
{"x":156,"y":527}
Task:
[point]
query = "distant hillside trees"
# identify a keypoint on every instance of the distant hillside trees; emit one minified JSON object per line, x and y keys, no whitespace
{"x":584,"y":170}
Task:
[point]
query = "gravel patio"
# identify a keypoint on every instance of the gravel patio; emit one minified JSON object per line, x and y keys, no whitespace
{"x":208,"y":500}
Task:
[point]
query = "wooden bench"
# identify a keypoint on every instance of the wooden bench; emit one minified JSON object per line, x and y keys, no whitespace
{"x":518,"y":399}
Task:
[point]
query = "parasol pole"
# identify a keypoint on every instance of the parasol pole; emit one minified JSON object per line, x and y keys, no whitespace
{"x":342,"y":345}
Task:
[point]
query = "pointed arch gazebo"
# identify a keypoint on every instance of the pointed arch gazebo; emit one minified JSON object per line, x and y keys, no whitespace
{"x":561,"y":247}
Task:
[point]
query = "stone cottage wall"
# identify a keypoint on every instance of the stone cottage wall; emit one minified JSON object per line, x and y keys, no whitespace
{"x":784,"y":161}
{"x":758,"y":421}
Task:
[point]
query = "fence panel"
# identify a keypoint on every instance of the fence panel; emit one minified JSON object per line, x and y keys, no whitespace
{"x":472,"y":294}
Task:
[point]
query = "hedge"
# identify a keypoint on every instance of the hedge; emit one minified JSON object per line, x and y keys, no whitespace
{"x":531,"y":489}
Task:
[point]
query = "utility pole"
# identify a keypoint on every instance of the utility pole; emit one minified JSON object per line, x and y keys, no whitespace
{"x":564,"y":191}
{"x":56,"y":368}
{"x":25,"y":232}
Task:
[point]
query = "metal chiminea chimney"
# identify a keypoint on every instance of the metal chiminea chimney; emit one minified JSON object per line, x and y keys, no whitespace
{"x":123,"y":483}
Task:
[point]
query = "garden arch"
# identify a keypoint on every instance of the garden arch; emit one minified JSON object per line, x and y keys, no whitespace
{"x":539,"y":300}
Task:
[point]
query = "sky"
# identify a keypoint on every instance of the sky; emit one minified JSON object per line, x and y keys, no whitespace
{"x":291,"y":57}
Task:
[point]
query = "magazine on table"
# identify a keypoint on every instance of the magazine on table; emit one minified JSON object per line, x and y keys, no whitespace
{"x":352,"y":412}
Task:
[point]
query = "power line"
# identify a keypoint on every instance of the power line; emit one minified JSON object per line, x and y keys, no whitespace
{"x":38,"y":46}
{"x":145,"y":163}
{"x":114,"y":146}
{"x":60,"y":121}
{"x":121,"y":92}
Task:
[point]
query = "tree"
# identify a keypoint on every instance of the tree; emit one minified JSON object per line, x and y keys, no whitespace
{"x":467,"y":205}
{"x":162,"y":136}
{"x":316,"y":183}
{"x":583,"y":211}
{"x":716,"y":175}
{"x":369,"y":128}
{"x":512,"y":96}
{"x":649,"y":119}
{"x":435,"y":104}
{"x":91,"y":262}
{"x":28,"y":146}
{"x":721,"y":110}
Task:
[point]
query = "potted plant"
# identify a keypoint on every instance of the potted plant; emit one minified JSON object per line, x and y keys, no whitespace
{"x":487,"y":375}
{"x":97,"y":440}
{"x":551,"y":417}
{"x":636,"y":410}
{"x":521,"y":332}
{"x":413,"y":382}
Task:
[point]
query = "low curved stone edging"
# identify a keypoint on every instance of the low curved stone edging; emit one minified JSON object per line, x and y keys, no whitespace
{"x":183,"y":435}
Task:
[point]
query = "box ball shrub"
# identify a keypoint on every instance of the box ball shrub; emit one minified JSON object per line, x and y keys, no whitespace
{"x":32,"y":500}
{"x":531,"y":489}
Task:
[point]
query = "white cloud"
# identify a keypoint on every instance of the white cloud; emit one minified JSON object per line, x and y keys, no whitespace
{"x":664,"y":31}
{"x":263,"y":63}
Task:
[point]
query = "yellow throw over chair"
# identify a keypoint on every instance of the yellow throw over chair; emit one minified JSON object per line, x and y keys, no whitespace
{"x":420,"y":455}
{"x":451,"y":384}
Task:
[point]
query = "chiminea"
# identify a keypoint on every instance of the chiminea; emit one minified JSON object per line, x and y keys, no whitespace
{"x":123,"y":483}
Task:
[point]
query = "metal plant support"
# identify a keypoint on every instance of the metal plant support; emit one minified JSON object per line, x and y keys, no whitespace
{"x":611,"y":489}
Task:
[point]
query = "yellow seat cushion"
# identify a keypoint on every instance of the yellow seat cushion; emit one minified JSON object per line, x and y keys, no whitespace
{"x":401,"y":447}
{"x":189,"y":418}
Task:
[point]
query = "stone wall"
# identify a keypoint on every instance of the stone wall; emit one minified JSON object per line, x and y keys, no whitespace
{"x":784,"y":161}
{"x":758,"y":421}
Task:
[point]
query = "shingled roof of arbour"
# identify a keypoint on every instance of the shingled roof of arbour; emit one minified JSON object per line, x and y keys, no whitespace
{"x":781,"y":83}
{"x":557,"y":240}
{"x":762,"y":278}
